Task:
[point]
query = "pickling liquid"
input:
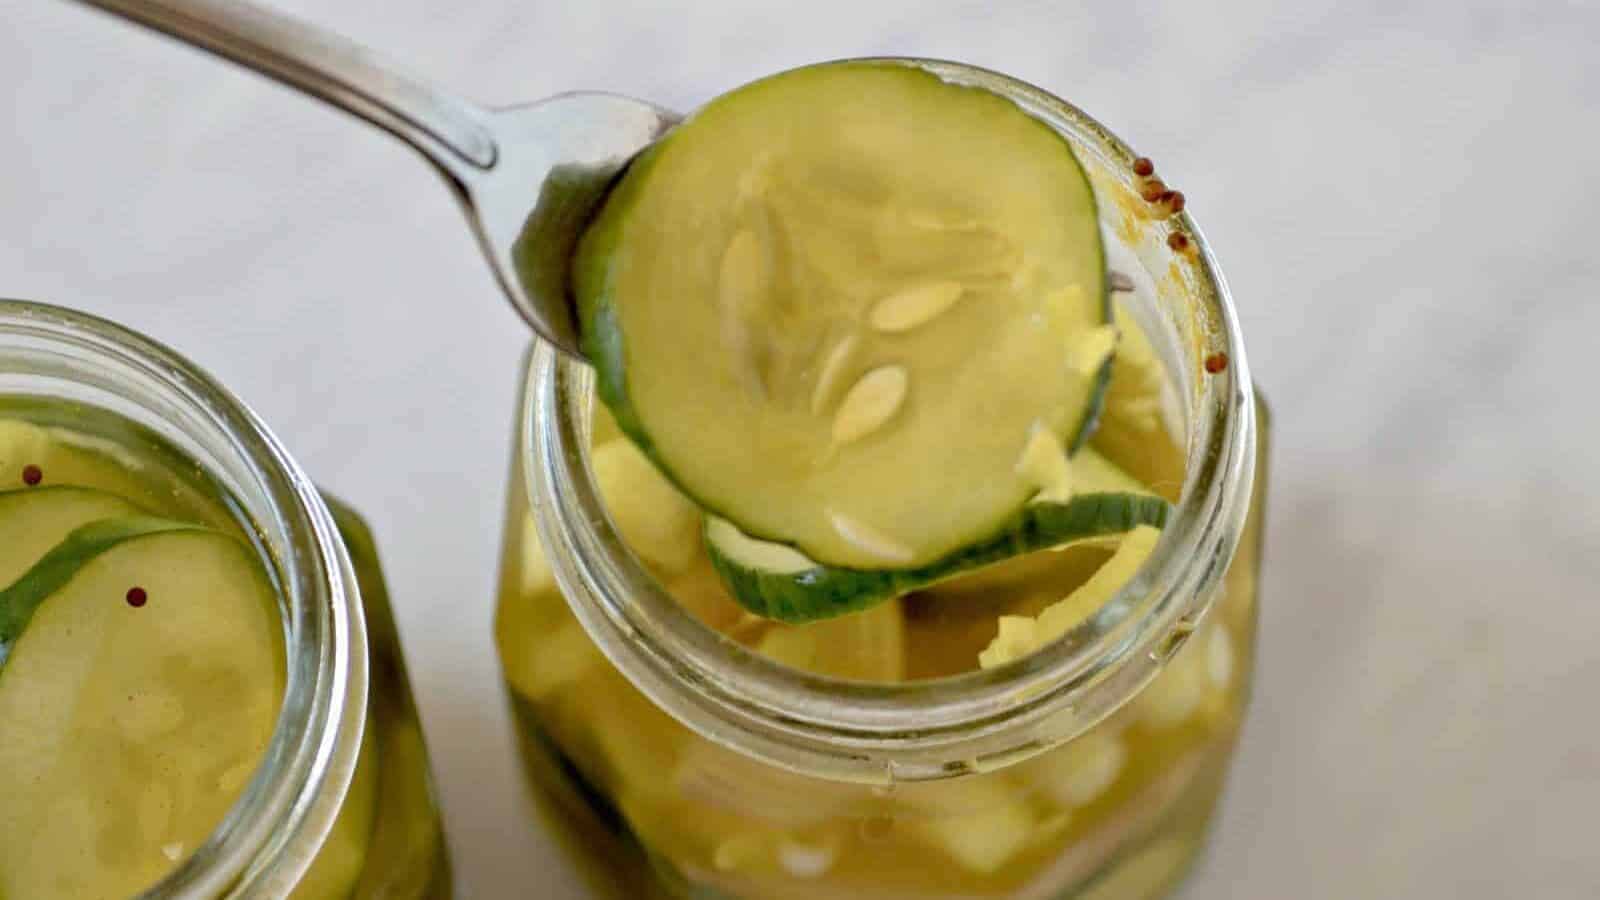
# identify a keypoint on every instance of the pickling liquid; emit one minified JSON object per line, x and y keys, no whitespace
{"x":111,"y":824}
{"x":648,"y":808}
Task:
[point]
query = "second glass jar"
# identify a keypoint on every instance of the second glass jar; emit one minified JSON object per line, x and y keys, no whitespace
{"x":342,"y":804}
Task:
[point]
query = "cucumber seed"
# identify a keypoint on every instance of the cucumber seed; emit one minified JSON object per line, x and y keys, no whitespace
{"x":869,"y":540}
{"x":871,"y":402}
{"x":912,"y":307}
{"x":832,"y":367}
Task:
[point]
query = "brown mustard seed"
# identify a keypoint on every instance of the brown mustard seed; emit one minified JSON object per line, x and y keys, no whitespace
{"x":1153,"y":191}
{"x":32,"y":475}
{"x":1143,"y":167}
{"x":1178,"y":241}
{"x":1216,"y":363}
{"x":137,"y":597}
{"x":1175,"y":200}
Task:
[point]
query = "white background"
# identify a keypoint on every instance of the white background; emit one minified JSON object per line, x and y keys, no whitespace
{"x":1401,"y":193}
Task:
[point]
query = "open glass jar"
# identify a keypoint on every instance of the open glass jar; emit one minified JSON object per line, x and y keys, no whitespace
{"x":681,"y":762}
{"x":339,"y":801}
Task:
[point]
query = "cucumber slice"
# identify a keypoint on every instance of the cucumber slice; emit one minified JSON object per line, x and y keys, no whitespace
{"x":1020,"y":635}
{"x":130,"y":731}
{"x":33,"y":520}
{"x":779,"y":582}
{"x":156,"y":478}
{"x":870,"y":646}
{"x":56,"y":568}
{"x":60,"y":459}
{"x":835,"y":285}
{"x":658,"y":523}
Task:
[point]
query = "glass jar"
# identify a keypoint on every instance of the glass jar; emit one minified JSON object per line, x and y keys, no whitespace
{"x":675,"y":762}
{"x":342,"y":802}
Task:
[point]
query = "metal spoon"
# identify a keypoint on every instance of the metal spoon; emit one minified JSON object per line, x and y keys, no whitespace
{"x":528,"y":176}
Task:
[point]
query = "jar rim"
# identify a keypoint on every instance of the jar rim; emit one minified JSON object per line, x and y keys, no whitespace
{"x":879,"y":732}
{"x":270,"y":833}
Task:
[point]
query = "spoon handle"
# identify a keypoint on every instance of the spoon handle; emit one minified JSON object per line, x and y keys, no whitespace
{"x":448,"y":131}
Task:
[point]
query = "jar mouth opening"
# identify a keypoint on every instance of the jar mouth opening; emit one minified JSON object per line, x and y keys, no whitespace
{"x":933,"y":728}
{"x":112,"y":367}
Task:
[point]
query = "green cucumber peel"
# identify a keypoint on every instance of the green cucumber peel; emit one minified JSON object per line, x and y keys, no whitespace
{"x":57,"y":567}
{"x":792,"y":588}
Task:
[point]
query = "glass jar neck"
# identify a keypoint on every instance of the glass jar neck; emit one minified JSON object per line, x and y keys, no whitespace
{"x":879,"y":733}
{"x":269,"y":837}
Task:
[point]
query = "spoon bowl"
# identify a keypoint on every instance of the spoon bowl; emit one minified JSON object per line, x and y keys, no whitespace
{"x":558,"y":158}
{"x":527,"y":176}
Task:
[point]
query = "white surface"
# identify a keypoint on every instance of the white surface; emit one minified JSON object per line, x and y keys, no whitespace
{"x":1402,"y":197}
